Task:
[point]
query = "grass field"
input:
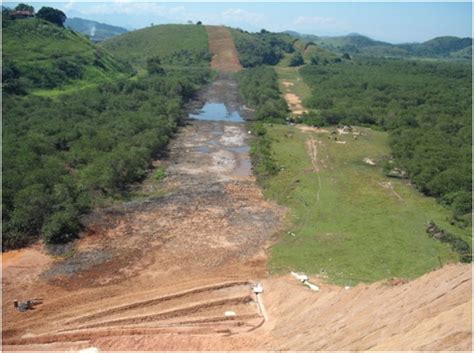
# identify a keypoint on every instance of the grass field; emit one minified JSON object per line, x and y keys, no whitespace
{"x":348,"y":221}
{"x":163,"y":41}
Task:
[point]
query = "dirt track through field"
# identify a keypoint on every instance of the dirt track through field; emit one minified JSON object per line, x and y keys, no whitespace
{"x":222,"y":48}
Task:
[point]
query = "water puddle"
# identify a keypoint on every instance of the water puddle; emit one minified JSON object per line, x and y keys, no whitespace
{"x":240,"y":149}
{"x":223,"y":139}
{"x":202,"y":149}
{"x":217,"y":112}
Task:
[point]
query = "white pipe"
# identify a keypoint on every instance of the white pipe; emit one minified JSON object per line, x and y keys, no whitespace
{"x":304,"y":279}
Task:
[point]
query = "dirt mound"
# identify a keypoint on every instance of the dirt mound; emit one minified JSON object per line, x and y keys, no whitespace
{"x":222,"y":48}
{"x":429,"y":313}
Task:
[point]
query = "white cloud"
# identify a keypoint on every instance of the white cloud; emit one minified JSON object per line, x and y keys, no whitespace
{"x":123,"y":7}
{"x":240,"y":15}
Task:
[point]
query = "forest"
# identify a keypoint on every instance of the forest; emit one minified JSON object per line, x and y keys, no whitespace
{"x":63,"y":156}
{"x":426,"y":107}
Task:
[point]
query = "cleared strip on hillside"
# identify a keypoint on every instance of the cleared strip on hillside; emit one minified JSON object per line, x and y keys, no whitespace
{"x":222,"y":48}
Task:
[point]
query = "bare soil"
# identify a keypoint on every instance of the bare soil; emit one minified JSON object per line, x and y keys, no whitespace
{"x":294,"y":103}
{"x":222,"y":48}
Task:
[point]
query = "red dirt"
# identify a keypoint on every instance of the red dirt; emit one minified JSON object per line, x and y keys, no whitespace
{"x":222,"y":48}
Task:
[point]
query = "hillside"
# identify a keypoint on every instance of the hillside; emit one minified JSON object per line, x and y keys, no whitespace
{"x":96,"y":31}
{"x":431,"y":313}
{"x":40,"y":55}
{"x":440,"y":47}
{"x":314,"y":53}
{"x":261,"y":48}
{"x":173,"y":44}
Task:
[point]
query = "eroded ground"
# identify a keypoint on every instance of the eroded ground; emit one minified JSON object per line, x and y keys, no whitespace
{"x":169,"y":262}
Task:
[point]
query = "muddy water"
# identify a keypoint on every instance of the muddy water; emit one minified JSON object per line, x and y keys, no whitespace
{"x":220,"y":134}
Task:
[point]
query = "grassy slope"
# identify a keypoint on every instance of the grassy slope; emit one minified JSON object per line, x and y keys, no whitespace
{"x":34,"y":44}
{"x":358,"y":230}
{"x":163,"y":40}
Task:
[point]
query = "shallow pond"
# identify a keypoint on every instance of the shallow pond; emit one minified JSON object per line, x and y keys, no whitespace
{"x":217,"y":112}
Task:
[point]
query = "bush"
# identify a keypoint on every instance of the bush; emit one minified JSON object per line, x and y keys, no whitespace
{"x":312,"y":119}
{"x":160,"y":173}
{"x":61,"y":227}
{"x":297,"y":59}
{"x":153,"y":66}
{"x":263,"y":164}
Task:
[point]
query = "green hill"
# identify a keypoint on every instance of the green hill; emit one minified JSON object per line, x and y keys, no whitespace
{"x":438,"y":47}
{"x":315,"y":53}
{"x":41,"y":55}
{"x":174,"y":44}
{"x":96,"y":31}
{"x":356,"y":44}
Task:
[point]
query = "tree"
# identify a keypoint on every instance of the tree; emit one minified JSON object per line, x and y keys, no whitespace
{"x":199,"y":23}
{"x":153,"y":66}
{"x":297,"y":59}
{"x":52,"y":15}
{"x":346,"y":56}
{"x":24,"y":7}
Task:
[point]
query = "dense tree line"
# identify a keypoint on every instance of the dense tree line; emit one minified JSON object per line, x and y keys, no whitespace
{"x":426,"y":106}
{"x":61,"y":156}
{"x":262,"y":48}
{"x":259,"y":88}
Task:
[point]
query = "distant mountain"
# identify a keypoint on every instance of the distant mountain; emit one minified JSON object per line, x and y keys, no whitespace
{"x":95,"y":30}
{"x":440,"y":47}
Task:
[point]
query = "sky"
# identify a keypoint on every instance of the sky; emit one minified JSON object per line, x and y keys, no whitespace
{"x":394,"y":22}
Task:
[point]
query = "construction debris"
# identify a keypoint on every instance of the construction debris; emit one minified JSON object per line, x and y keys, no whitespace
{"x":369,"y":161}
{"x":304,"y":279}
{"x":27,"y":305}
{"x":258,"y":288}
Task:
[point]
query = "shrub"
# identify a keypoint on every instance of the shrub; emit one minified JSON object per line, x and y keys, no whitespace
{"x":160,"y":173}
{"x":61,"y":227}
{"x":297,"y":59}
